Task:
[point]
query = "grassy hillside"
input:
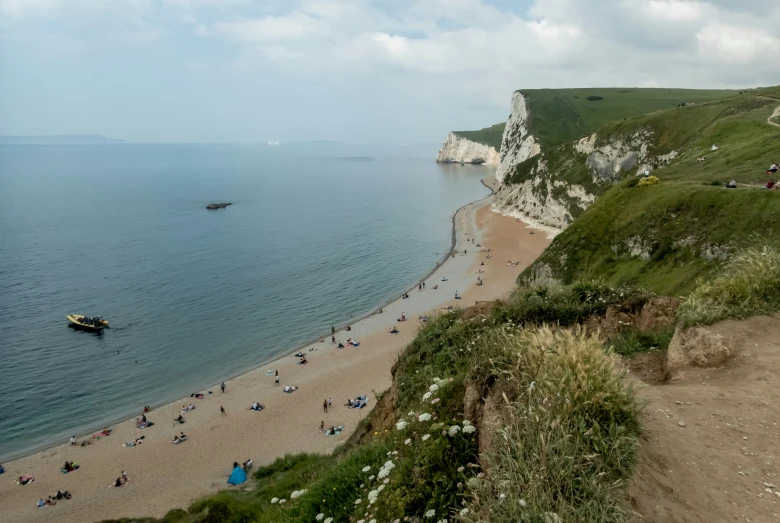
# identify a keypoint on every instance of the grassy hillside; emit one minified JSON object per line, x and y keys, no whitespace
{"x":664,"y":236}
{"x":489,"y":135}
{"x":560,"y":115}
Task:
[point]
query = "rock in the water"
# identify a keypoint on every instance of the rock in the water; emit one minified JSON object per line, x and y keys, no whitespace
{"x":213,"y":206}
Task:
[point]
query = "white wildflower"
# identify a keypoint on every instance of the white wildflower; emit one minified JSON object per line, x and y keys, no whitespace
{"x":523,"y":503}
{"x":386,"y":481}
{"x":373,"y":495}
{"x":461,"y":469}
{"x":319,"y":516}
{"x":380,"y":488}
{"x":401,"y":425}
{"x":395,"y":453}
{"x":430,"y":513}
{"x":282,"y":501}
{"x":372,"y":521}
{"x":532,"y":386}
{"x":274,"y":500}
{"x":462,"y":512}
{"x":501,"y":496}
{"x":329,"y":520}
{"x":361,"y":521}
{"x":468,"y":429}
{"x":424,"y":417}
{"x":453,"y":430}
{"x":433,"y":388}
{"x":425,"y":437}
{"x":358,"y":501}
{"x":297,"y":493}
{"x":371,"y":477}
{"x":466,"y":422}
{"x":408,"y":441}
{"x":427,"y":395}
{"x":366,"y":469}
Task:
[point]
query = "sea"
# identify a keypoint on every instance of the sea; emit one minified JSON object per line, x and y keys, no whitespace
{"x":318,"y":234}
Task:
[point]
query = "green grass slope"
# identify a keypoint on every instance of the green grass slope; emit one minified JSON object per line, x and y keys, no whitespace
{"x":560,"y":115}
{"x":664,"y":236}
{"x":489,"y":135}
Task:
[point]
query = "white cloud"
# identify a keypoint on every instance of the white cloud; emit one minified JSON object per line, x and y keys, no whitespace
{"x":270,"y":28}
{"x":738,"y":44}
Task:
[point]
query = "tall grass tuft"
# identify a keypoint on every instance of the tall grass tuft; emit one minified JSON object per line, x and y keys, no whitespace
{"x":749,"y":284}
{"x":567,"y":433}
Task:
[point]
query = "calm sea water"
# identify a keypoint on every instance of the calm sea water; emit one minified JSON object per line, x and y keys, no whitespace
{"x":317,"y":234}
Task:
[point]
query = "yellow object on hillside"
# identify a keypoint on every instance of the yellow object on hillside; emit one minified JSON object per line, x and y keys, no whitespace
{"x":650,"y":180}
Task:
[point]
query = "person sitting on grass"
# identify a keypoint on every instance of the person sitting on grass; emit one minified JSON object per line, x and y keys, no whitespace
{"x":731,"y":185}
{"x":769,"y":185}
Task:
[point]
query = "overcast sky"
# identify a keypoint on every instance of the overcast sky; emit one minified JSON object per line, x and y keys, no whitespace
{"x":393,"y":71}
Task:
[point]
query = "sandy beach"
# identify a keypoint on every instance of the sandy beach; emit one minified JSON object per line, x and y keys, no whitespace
{"x":163,"y":476}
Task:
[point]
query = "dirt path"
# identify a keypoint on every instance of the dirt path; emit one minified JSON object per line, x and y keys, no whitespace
{"x":775,"y":114}
{"x":713,"y":447}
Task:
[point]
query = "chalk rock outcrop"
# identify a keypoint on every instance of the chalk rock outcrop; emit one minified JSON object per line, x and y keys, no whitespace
{"x":553,"y":187}
{"x":517,"y":144}
{"x":457,"y":149}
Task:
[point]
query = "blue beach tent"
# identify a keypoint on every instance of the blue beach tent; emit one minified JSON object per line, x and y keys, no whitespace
{"x":237,"y":477}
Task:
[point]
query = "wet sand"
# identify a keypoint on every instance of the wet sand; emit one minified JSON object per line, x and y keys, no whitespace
{"x":164,"y":476}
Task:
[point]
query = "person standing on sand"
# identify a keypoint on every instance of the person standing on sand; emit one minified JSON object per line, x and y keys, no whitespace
{"x":222,"y":386}
{"x":333,"y":340}
{"x":330,"y":402}
{"x":276,"y":380}
{"x":423,"y":284}
{"x":124,"y":476}
{"x":325,"y":406}
{"x":222,"y":410}
{"x":322,"y":426}
{"x":332,"y":329}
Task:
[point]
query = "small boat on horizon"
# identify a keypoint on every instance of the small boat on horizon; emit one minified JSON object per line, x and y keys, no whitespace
{"x":88,"y":323}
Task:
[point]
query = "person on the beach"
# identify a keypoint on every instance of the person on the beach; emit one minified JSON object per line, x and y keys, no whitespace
{"x":322,"y":425}
{"x":118,"y":482}
{"x":325,"y":406}
{"x":419,"y":286}
{"x":222,"y":410}
{"x":423,"y":284}
{"x":380,"y":310}
{"x":124,"y":476}
{"x":349,"y":328}
{"x":276,"y":379}
{"x":332,"y":329}
{"x":330,"y":402}
{"x":332,"y":340}
{"x":222,"y":386}
{"x":73,"y":440}
{"x":393,"y":330}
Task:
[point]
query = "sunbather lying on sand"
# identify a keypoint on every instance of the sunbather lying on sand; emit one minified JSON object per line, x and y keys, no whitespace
{"x":24,"y":480}
{"x":394,"y":331}
{"x":256,"y":406}
{"x":290,"y":388}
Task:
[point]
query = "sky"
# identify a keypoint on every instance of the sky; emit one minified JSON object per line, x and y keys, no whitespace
{"x":359,"y":71}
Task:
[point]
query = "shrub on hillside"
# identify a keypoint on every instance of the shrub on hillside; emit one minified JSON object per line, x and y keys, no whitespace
{"x":749,"y":284}
{"x":650,"y":180}
{"x":567,"y":435}
{"x":594,"y":98}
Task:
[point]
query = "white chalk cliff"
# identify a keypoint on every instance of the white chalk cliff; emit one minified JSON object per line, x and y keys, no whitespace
{"x":545,"y":197}
{"x":457,"y":149}
{"x":517,"y":144}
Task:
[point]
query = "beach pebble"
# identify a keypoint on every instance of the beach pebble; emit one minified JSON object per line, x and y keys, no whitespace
{"x":681,"y":423}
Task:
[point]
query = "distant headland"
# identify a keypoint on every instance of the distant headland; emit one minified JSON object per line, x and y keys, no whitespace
{"x":59,"y":138}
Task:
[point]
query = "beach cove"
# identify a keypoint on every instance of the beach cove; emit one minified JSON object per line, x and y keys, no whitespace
{"x":164,"y":476}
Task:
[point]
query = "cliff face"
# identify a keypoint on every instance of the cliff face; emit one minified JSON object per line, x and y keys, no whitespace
{"x":517,"y":144}
{"x":457,"y":149}
{"x":553,"y":188}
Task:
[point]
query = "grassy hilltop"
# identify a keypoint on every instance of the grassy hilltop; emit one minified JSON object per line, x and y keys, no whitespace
{"x":560,"y":115}
{"x":686,"y":225}
{"x":488,"y":136}
{"x":514,"y":410}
